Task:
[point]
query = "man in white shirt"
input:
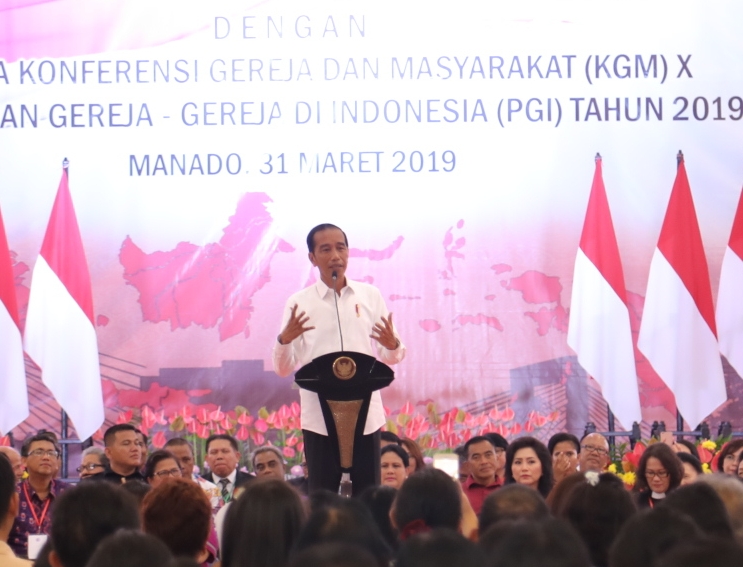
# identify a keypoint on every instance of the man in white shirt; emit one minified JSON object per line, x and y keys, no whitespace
{"x":310,"y":328}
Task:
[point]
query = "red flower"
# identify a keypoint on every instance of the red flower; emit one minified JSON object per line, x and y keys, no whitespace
{"x":159,"y":440}
{"x":296,"y":409}
{"x":705,"y":455}
{"x":261,"y":426}
{"x":202,"y":414}
{"x":258,"y":437}
{"x":508,"y":414}
{"x":289,"y":452}
{"x":125,"y":417}
{"x":202,"y":431}
{"x":245,"y":419}
{"x":217,"y":414}
{"x":242,"y":433}
{"x":291,"y":441}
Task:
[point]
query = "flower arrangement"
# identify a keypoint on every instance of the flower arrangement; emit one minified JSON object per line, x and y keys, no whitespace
{"x":430,"y":429}
{"x":435,"y":432}
{"x":280,"y":428}
{"x":624,"y":461}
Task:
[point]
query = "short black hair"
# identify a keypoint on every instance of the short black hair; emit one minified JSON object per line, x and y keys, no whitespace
{"x":431,"y":496}
{"x":110,"y":436}
{"x":689,"y":445}
{"x":497,"y":440}
{"x":439,"y":548}
{"x":87,"y":513}
{"x":691,"y":460}
{"x":130,"y":547}
{"x":41,"y":436}
{"x":7,"y":485}
{"x":390,"y":437}
{"x":222,"y":437}
{"x":523,"y":544}
{"x":144,"y":437}
{"x":397,"y":450}
{"x":319,"y":228}
{"x":178,"y":442}
{"x":702,"y":504}
{"x":512,"y":502}
{"x":561,"y":438}
{"x":474,"y":440}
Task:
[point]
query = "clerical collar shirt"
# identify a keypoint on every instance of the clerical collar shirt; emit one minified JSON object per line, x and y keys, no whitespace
{"x":360,"y":306}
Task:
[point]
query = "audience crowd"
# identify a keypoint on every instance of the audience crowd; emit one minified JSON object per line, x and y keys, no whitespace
{"x":514,"y":504}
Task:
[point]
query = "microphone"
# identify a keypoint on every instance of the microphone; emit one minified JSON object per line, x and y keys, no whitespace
{"x":334,"y":275}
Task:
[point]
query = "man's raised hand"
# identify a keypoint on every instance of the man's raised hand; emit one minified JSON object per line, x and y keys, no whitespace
{"x":384,"y":334}
{"x":294,"y":327}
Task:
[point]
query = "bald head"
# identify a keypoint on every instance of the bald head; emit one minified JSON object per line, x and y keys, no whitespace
{"x":594,"y":453}
{"x":15,"y":460}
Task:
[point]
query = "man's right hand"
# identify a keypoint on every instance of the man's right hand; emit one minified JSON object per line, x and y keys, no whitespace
{"x":294,"y":327}
{"x":562,"y":467}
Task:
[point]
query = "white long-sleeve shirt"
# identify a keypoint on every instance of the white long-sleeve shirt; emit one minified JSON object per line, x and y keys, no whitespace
{"x":361,"y":306}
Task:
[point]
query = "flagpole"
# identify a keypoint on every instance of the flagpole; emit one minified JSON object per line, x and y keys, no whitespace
{"x":679,"y":417}
{"x":610,"y":414}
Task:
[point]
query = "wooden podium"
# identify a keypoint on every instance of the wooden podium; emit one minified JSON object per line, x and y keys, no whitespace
{"x":344,"y":382}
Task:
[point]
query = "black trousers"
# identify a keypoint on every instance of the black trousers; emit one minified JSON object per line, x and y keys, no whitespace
{"x":323,"y":461}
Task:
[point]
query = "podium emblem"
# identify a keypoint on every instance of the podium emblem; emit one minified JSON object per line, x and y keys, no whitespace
{"x":344,"y":368}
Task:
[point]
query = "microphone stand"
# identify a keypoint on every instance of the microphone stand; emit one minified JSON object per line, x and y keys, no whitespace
{"x":345,"y":488}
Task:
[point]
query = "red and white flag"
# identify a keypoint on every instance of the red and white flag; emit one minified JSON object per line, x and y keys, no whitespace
{"x":599,"y":328}
{"x":730,"y":296}
{"x":677,"y":332}
{"x":60,"y":334}
{"x":13,"y":390}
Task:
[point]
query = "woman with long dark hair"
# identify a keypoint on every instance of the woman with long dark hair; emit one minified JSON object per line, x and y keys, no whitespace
{"x":262,"y":525}
{"x":528,"y":462}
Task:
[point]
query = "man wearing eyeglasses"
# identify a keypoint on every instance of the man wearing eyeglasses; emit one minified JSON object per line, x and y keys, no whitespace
{"x":37,"y":494}
{"x":594,"y":453}
{"x":93,"y":464}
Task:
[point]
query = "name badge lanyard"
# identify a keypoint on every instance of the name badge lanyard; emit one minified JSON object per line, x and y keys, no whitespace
{"x":38,"y":521}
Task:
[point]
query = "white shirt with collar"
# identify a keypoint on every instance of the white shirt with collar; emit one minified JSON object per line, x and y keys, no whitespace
{"x":231,"y":477}
{"x":361,"y":306}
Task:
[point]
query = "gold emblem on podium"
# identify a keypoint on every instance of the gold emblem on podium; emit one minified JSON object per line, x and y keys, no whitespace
{"x":344,"y":368}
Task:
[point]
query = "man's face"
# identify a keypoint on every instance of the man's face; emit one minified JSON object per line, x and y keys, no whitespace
{"x":143,"y":446}
{"x":565,"y":450}
{"x":15,"y":461}
{"x":267,"y":464}
{"x":42,"y":459}
{"x":483,"y":461}
{"x":222,"y":458}
{"x":329,"y":254}
{"x":594,"y":453}
{"x":185,"y":458}
{"x":91,"y":459}
{"x":126,"y":450}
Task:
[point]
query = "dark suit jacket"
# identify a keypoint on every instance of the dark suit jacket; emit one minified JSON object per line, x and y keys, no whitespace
{"x":241,"y":478}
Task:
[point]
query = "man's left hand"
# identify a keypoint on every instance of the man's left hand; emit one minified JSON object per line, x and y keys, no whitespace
{"x":384,"y":334}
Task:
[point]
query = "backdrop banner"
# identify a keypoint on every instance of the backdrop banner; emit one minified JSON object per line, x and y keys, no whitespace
{"x":454,"y":144}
